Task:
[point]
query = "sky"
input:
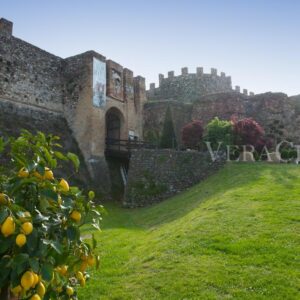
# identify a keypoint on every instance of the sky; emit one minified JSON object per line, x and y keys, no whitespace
{"x":256,"y":42}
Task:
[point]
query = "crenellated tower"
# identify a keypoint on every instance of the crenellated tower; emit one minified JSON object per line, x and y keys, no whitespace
{"x":189,"y":87}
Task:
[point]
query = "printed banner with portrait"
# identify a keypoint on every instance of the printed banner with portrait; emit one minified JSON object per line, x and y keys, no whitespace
{"x":99,"y":83}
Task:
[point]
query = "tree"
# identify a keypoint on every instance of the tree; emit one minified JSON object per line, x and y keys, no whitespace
{"x":219,"y":131}
{"x":248,"y":132}
{"x":168,"y":137}
{"x":151,"y":136}
{"x":42,"y":253}
{"x":192,"y":133}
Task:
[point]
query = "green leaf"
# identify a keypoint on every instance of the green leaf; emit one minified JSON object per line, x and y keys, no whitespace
{"x":3,"y":215}
{"x":47,"y":272}
{"x":73,"y":233}
{"x":68,"y":203}
{"x":5,"y":244}
{"x":50,"y":194}
{"x":3,"y":276}
{"x":20,"y":263}
{"x":34,"y":264}
{"x":74,"y":158}
{"x":41,"y":169}
{"x":32,"y":241}
{"x":20,"y":258}
{"x":57,"y":247}
{"x":40,"y":217}
{"x":59,"y":155}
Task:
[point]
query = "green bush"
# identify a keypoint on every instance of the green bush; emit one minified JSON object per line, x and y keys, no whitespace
{"x":288,"y":153}
{"x":219,"y":131}
{"x":42,"y":253}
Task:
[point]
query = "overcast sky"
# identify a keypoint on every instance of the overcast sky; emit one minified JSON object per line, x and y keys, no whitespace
{"x":255,"y":41}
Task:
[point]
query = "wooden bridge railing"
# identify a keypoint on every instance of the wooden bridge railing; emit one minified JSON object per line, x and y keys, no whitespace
{"x":126,"y":146}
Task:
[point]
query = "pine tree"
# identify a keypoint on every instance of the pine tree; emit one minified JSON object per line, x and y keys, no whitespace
{"x":168,"y":137}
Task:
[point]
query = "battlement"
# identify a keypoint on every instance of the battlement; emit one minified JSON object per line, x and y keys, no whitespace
{"x":188,"y":86}
{"x":6,"y":27}
{"x":185,"y":72}
{"x":245,"y":91}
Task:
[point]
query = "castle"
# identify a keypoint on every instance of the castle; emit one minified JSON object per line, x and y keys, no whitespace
{"x":204,"y":96}
{"x":98,"y":98}
{"x":93,"y":102}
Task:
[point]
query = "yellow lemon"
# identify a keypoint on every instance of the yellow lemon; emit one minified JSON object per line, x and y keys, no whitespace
{"x":63,"y":270}
{"x":69,"y":290}
{"x":83,"y":266}
{"x":41,"y":290}
{"x":64,"y":185}
{"x":79,"y":275}
{"x":8,"y":227}
{"x":82,"y":282}
{"x":3,"y":198}
{"x":35,"y":297}
{"x":23,"y":173}
{"x":91,"y":261}
{"x":16,"y":290}
{"x":83,"y":257}
{"x":48,"y":174}
{"x":27,"y":227}
{"x":27,"y":280}
{"x":75,"y":215}
{"x":36,"y":279}
{"x":21,"y":240}
{"x":37,"y":175}
{"x":91,"y":195}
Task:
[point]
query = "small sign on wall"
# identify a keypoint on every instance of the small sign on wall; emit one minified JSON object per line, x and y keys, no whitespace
{"x":99,"y":83}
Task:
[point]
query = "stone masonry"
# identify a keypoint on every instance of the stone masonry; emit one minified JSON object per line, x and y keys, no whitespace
{"x":276,"y":112}
{"x":34,"y":79}
{"x":189,"y":87}
{"x":158,"y":174}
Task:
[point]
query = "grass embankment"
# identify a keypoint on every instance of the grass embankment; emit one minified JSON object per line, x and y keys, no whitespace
{"x":234,"y":236}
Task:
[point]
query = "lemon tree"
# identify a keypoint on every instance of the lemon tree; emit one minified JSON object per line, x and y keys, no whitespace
{"x":42,"y":252}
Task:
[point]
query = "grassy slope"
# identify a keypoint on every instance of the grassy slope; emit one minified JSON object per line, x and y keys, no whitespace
{"x":234,"y":236}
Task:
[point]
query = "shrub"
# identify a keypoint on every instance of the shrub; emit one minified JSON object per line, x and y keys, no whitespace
{"x":152,"y":137}
{"x":248,"y":132}
{"x":168,"y":137}
{"x":191,"y":134}
{"x":42,"y":253}
{"x":219,"y":131}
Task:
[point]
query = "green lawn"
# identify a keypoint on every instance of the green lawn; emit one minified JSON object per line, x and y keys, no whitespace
{"x":234,"y":236}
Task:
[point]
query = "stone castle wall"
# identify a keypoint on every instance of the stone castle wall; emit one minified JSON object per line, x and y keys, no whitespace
{"x":29,"y":74}
{"x":188,"y":87}
{"x":158,"y":174}
{"x":274,"y":111}
{"x":41,"y":81}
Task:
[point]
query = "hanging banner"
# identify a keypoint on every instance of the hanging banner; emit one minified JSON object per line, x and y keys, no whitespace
{"x":99,"y":83}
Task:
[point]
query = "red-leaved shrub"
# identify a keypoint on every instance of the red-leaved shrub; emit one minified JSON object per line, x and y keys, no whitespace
{"x":248,"y":132}
{"x":192,"y":133}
